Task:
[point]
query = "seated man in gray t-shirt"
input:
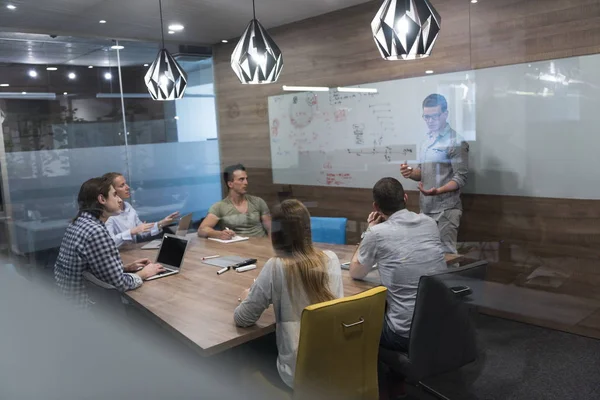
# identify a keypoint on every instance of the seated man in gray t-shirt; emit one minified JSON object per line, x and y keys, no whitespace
{"x":238,"y":213}
{"x":405,"y":246}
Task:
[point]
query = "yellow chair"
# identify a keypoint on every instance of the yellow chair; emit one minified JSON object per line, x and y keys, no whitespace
{"x":338,"y":348}
{"x":337,"y":352}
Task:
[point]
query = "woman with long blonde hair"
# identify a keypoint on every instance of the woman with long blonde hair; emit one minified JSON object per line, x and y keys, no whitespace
{"x":299,"y":275}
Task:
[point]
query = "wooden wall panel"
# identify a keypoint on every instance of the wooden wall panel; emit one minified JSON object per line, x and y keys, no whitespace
{"x":517,"y":31}
{"x":337,"y":49}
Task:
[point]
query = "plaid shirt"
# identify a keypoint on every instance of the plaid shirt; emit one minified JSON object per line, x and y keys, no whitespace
{"x":88,"y":247}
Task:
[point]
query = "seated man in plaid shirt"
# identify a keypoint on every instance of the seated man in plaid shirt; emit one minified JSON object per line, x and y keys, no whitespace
{"x":88,"y":247}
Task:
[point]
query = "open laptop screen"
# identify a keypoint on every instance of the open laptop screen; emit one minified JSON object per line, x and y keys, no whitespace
{"x":172,"y":251}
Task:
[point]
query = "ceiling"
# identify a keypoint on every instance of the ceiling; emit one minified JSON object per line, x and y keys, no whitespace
{"x":205,"y":21}
{"x":38,"y":49}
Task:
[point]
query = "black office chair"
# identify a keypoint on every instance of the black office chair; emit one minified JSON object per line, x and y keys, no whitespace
{"x":104,"y":298}
{"x":442,"y":335}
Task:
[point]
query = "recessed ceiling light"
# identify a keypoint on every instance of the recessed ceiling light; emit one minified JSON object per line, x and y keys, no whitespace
{"x":473,"y":1}
{"x":117,"y":47}
{"x":429,"y":71}
{"x":72,"y":75}
{"x":145,"y":65}
{"x":11,"y":7}
{"x":51,"y":69}
{"x":102,"y":21}
{"x":23,"y":92}
{"x":225,"y":41}
{"x":108,"y":76}
{"x":176,"y":27}
{"x":176,"y":117}
{"x":4,"y":85}
{"x":91,"y":66}
{"x":171,"y":32}
{"x":33,"y":73}
{"x":65,"y":93}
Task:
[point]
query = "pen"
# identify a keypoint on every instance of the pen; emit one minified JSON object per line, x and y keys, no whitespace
{"x":346,"y":263}
{"x":209,"y":257}
{"x":222,"y":270}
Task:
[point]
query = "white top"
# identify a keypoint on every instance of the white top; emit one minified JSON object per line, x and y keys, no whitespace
{"x":405,"y":247}
{"x":271,"y":288}
{"x":119,"y":226}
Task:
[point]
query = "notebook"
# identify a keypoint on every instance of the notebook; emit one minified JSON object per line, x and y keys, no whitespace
{"x":232,"y":240}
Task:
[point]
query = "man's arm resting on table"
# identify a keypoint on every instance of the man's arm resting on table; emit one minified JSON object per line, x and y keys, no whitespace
{"x":206,"y":228}
{"x":357,"y":270}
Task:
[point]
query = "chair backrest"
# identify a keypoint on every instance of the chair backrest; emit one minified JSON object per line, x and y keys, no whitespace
{"x":101,"y":294}
{"x":442,"y":336}
{"x":337,"y":352}
{"x":328,"y":230}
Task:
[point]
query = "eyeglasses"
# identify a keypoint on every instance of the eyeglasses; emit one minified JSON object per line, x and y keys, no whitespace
{"x":432,"y":117}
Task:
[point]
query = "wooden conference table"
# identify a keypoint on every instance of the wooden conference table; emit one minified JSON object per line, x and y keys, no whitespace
{"x":197,"y":305}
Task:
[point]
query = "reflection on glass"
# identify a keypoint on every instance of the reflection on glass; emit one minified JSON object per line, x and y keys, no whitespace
{"x":70,"y":126}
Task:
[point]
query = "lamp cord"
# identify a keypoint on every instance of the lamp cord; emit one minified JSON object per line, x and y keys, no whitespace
{"x":253,"y":9}
{"x":162,"y":27}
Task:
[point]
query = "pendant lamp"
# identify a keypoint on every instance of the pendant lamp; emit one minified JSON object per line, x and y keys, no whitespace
{"x":406,"y":29}
{"x":165,"y":79}
{"x":256,"y":58}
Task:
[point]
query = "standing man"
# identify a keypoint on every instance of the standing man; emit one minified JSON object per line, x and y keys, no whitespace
{"x":239,"y":213}
{"x":442,"y":171}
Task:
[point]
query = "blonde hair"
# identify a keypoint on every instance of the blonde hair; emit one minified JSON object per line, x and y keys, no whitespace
{"x":111,"y":176}
{"x":302,"y":263}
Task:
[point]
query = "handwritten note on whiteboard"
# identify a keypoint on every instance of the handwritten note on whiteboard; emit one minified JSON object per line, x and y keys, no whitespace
{"x":352,"y":139}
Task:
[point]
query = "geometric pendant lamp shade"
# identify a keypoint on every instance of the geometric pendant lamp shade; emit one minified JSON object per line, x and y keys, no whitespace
{"x":406,"y":29}
{"x":256,"y":58}
{"x":165,"y":79}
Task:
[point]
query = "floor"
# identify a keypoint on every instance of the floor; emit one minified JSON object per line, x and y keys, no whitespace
{"x":521,"y":361}
{"x":540,"y":286}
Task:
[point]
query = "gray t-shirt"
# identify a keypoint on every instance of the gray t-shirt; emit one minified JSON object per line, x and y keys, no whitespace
{"x":404,"y":247}
{"x":247,"y":224}
{"x":271,"y":288}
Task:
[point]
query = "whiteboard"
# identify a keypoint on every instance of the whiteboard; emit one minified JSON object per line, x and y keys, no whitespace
{"x":533,"y":130}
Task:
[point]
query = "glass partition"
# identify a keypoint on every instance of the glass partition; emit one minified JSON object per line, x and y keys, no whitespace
{"x":76,"y":108}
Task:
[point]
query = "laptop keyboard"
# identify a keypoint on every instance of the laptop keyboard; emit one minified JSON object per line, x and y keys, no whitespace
{"x":166,"y":271}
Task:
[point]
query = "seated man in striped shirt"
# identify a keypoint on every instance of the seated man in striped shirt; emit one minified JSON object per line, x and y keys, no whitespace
{"x":88,"y":247}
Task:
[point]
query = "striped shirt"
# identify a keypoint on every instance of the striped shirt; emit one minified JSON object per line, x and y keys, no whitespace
{"x":87,"y":247}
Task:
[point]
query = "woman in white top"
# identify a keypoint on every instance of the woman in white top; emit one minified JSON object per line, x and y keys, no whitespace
{"x":127,"y":226}
{"x":299,"y":275}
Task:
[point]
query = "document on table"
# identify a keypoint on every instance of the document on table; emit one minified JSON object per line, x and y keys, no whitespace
{"x":232,"y":240}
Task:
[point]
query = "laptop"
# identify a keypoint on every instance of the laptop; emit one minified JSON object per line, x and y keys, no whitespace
{"x":171,"y":254}
{"x":182,"y":228}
